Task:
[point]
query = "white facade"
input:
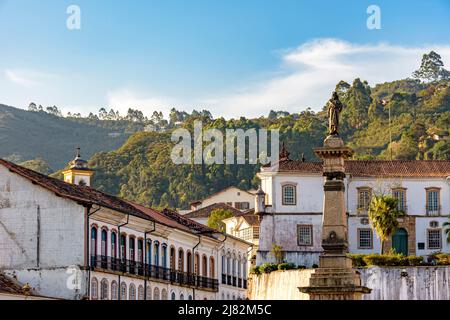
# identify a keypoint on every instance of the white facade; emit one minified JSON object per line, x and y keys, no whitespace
{"x":280,"y":224}
{"x":235,"y":197}
{"x":49,"y":241}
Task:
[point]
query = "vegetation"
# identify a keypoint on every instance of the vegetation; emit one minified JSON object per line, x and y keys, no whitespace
{"x":447,"y":229}
{"x":405,"y":119}
{"x":383,"y":213}
{"x":216,"y":218}
{"x":390,"y":259}
{"x":270,"y":267}
{"x":278,"y":253}
{"x":38,"y":165}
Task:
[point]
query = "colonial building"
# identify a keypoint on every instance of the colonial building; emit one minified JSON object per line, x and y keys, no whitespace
{"x":290,"y":208}
{"x":70,"y":241}
{"x":202,"y":215}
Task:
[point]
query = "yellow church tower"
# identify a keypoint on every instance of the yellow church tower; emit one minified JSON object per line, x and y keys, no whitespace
{"x":78,"y":172}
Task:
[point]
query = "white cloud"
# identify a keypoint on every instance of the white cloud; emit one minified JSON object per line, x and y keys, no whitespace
{"x":27,"y":78}
{"x":312,"y":70}
{"x":306,"y":76}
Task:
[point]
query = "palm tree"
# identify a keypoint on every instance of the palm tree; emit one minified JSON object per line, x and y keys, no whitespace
{"x":447,"y":230}
{"x":383,"y":213}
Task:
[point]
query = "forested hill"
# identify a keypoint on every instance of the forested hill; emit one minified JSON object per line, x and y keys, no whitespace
{"x":405,"y":119}
{"x":27,"y":135}
{"x":141,"y":170}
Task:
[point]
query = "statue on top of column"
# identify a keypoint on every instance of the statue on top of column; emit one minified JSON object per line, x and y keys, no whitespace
{"x":334,"y":108}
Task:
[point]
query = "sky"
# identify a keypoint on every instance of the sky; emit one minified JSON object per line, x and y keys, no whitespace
{"x":232,"y":57}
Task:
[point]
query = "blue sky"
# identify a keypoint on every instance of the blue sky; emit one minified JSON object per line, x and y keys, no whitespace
{"x":232,"y":57}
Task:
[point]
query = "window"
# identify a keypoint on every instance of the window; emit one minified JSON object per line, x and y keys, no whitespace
{"x":104,"y":290}
{"x":149,"y":293}
{"x":400,"y":195}
{"x":104,"y":242}
{"x":123,"y":245}
{"x":197,"y":264}
{"x":113,"y":245}
{"x":189,"y":262}
{"x":289,"y":195}
{"x":94,"y":241}
{"x":304,"y":233}
{"x":164,"y":255}
{"x":172,"y":258}
{"x":181,"y":296}
{"x":94,"y":289}
{"x":181,"y":260}
{"x":173,"y":296}
{"x":123,"y":291}
{"x":365,"y":238}
{"x":212,"y":273}
{"x":156,"y":249}
{"x":114,"y":293}
{"x":242,"y":205}
{"x":434,"y":239}
{"x":132,"y":292}
{"x":164,"y":294}
{"x":364,"y":198}
{"x":140,"y":252}
{"x":204,"y":266}
{"x":141,"y":292}
{"x":131,"y":244}
{"x":149,"y":252}
{"x":433,"y":201}
{"x":156,"y":294}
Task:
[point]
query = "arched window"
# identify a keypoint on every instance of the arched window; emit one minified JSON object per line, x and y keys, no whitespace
{"x":132,"y":252}
{"x":164,"y":256}
{"x":234,"y":297}
{"x":197,"y":264}
{"x":141,"y":292}
{"x":132,"y":292}
{"x":234,"y":265}
{"x":212,"y":273}
{"x":173,"y":295}
{"x":289,"y":195}
{"x":172,"y":258}
{"x":181,"y":296}
{"x":114,"y":292}
{"x":123,"y":291}
{"x":189,"y":262}
{"x":229,"y":270}
{"x":244,"y":269}
{"x":189,"y":297}
{"x":239,"y":265}
{"x":104,"y":289}
{"x":156,"y":253}
{"x":93,"y":241}
{"x":204,"y":266}
{"x":156,"y":294}
{"x":123,"y":247}
{"x":104,"y":252}
{"x":164,"y":294}
{"x":113,"y":245}
{"x":140,"y":253}
{"x":149,"y":293}
{"x":224,"y":265}
{"x":223,"y":296}
{"x":149,"y":252}
{"x":181,"y":260}
{"x":94,"y":289}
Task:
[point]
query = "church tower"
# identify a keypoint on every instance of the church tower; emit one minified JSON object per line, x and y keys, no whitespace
{"x":78,"y":172}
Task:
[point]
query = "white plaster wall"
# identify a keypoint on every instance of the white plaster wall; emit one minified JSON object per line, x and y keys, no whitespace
{"x":422,"y":225}
{"x":230,"y":195}
{"x":354,"y":223}
{"x":418,"y":283}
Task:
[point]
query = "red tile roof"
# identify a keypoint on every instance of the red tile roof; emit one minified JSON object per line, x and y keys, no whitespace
{"x":89,"y":196}
{"x":376,"y":168}
{"x":206,"y":211}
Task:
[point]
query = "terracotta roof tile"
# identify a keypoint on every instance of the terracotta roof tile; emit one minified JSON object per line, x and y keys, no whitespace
{"x":206,"y":211}
{"x":376,"y":168}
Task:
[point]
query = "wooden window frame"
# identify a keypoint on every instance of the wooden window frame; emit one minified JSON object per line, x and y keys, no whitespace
{"x":405,"y":199}
{"x":361,"y":209}
{"x":359,"y":237}
{"x":283,"y":186}
{"x":428,"y":238}
{"x":438,"y":191}
{"x":310,"y":226}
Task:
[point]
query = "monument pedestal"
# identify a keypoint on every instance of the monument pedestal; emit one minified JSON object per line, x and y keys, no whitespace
{"x":335,"y":278}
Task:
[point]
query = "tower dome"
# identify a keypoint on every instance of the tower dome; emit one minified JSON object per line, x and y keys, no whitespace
{"x":78,"y":171}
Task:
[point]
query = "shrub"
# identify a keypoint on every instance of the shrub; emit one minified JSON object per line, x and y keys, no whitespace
{"x":286,"y":266}
{"x":268,"y":267}
{"x":255,"y":270}
{"x":443,"y":258}
{"x":357,"y":260}
{"x":415,"y":260}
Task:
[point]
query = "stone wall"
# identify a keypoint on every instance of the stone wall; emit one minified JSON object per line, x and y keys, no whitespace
{"x":388,"y":283}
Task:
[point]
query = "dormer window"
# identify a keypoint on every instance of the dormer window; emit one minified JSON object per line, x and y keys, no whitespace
{"x":289,"y":195}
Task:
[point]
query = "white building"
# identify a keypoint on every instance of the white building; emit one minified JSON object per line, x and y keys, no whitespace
{"x":291,"y":212}
{"x":73,"y":242}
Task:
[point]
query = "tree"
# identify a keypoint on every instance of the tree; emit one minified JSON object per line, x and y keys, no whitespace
{"x":447,"y":230}
{"x":278,"y":253}
{"x":32,"y":107}
{"x":432,"y":68}
{"x":383,"y":213}
{"x":216,"y":218}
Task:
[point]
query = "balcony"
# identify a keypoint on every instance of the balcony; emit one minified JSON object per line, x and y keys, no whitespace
{"x":239,"y":283}
{"x":149,"y":271}
{"x":433,"y":210}
{"x":224,"y":279}
{"x":234,"y":282}
{"x":248,"y":234}
{"x":245,"y":283}
{"x":229,"y":280}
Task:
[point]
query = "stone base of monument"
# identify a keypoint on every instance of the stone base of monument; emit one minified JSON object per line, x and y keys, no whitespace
{"x":335,"y":280}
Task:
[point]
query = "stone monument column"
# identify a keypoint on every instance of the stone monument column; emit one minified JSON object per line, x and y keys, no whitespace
{"x":335,"y":278}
